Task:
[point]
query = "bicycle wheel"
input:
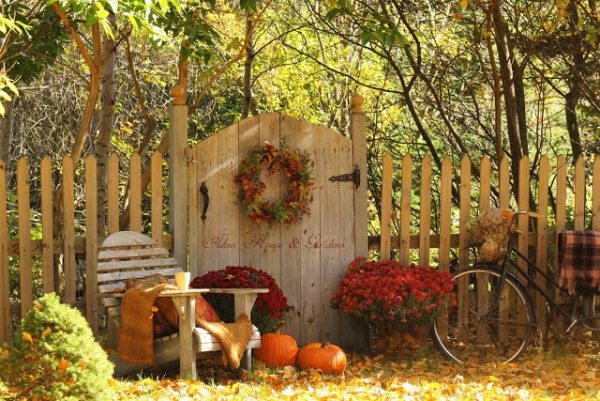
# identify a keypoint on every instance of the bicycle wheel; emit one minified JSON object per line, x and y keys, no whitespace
{"x":472,"y":330}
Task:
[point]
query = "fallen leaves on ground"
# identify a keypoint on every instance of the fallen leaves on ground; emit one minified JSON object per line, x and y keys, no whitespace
{"x":568,"y":372}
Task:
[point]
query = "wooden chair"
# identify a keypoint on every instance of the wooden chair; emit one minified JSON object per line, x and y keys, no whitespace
{"x":130,"y":255}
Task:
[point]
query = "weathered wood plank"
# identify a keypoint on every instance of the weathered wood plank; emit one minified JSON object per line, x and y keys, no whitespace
{"x":504,"y":184}
{"x":332,"y":267}
{"x":596,"y":195}
{"x":194,"y":211}
{"x":561,"y":206}
{"x":580,"y":195}
{"x":178,"y":218}
{"x":112,"y":194}
{"x":132,"y":253}
{"x":485,"y":184}
{"x":47,"y":225}
{"x":463,"y":253}
{"x":250,"y":233}
{"x":24,"y":213}
{"x":156,"y":175}
{"x":91,"y":248}
{"x":122,"y":275}
{"x":386,"y":207}
{"x":348,"y":331}
{"x":523,"y":220}
{"x":311,"y":307}
{"x":227,"y":148}
{"x":209,"y":240}
{"x":135,"y":193}
{"x":358,"y":129}
{"x":445,"y":214}
{"x":464,"y":212}
{"x":405,"y":204}
{"x":69,"y":231}
{"x":136,"y":263}
{"x":542,"y":235}
{"x":270,"y":253}
{"x":293,"y":132}
{"x":425,"y":212}
{"x":4,"y":280}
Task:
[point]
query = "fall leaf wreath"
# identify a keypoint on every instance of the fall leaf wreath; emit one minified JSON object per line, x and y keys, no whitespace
{"x":295,"y":166}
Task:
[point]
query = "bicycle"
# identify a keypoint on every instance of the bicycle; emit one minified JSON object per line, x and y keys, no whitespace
{"x":501,"y":331}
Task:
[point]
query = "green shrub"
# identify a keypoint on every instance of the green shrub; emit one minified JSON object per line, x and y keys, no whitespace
{"x":54,"y":356}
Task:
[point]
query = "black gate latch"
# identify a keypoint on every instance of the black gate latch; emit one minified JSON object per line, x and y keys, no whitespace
{"x":353,"y":176}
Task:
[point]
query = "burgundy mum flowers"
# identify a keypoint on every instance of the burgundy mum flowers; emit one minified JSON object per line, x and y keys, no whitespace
{"x":270,"y":311}
{"x":380,"y":291}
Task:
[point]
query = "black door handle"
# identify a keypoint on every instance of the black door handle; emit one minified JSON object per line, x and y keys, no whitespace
{"x":205,"y":200}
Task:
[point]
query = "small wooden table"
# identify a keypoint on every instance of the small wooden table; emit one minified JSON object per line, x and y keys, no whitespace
{"x":184,"y":301}
{"x":244,"y":299}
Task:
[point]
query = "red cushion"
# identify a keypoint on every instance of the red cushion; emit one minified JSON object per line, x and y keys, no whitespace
{"x":205,"y":311}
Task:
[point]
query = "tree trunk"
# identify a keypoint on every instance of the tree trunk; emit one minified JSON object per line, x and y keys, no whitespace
{"x":6,"y":127}
{"x":576,"y":75}
{"x":246,"y":104}
{"x":106,"y":125}
{"x":520,"y":101}
{"x":497,"y":89}
{"x":509,"y":90}
{"x":571,"y":100}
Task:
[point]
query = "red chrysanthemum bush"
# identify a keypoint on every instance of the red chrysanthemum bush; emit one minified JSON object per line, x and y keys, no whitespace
{"x":383,"y":292}
{"x":270,"y":311}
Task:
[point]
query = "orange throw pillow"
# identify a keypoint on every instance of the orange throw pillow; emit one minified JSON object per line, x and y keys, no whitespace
{"x":204,"y":311}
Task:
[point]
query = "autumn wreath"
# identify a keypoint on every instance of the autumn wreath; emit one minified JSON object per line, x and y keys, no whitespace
{"x":295,"y":165}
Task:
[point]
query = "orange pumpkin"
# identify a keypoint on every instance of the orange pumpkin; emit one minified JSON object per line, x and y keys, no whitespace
{"x":277,"y":350}
{"x":329,"y":358}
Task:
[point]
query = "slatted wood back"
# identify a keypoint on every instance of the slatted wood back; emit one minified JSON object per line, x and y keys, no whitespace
{"x":128,"y":255}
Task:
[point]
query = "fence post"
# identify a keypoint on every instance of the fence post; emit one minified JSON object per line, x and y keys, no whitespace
{"x":4,"y":287}
{"x":359,"y":145}
{"x":91,"y":243}
{"x":386,"y":208}
{"x":178,"y":133}
{"x":24,"y":212}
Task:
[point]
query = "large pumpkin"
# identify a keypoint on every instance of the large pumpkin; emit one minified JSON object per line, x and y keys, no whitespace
{"x":327,"y":357}
{"x":277,"y":350}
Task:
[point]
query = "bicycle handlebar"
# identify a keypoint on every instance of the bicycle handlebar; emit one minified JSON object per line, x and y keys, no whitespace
{"x":528,"y":213}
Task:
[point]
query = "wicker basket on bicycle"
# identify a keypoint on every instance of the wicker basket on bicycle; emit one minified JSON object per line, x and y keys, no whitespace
{"x":490,"y":233}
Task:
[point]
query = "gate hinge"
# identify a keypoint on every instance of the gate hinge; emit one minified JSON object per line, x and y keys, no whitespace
{"x":353,"y":176}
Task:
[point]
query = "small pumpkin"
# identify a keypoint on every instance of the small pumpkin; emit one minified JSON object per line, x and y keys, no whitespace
{"x":277,"y":350}
{"x":330,"y":358}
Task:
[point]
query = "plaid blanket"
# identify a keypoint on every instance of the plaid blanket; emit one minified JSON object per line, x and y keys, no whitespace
{"x":579,"y":260}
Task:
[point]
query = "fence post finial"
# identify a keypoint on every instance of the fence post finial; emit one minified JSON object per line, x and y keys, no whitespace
{"x":357,"y":102}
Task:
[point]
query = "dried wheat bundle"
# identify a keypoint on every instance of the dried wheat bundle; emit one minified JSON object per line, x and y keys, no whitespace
{"x":489,"y":233}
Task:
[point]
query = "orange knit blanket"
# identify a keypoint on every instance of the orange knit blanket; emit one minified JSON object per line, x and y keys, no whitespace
{"x":136,"y":339}
{"x":136,"y":336}
{"x":233,"y":337}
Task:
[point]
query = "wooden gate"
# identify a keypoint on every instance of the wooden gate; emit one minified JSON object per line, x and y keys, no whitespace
{"x":307,"y":259}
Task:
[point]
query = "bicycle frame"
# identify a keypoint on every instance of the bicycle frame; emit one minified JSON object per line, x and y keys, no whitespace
{"x":530,"y":281}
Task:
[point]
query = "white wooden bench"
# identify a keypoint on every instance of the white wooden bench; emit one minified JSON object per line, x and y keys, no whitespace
{"x":130,"y":255}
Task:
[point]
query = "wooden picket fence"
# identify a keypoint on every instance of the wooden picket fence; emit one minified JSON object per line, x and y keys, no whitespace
{"x":414,"y":242}
{"x":415,"y":215}
{"x":68,"y":243}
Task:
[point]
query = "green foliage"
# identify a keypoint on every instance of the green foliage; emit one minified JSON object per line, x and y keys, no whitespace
{"x":54,"y":356}
{"x":8,"y":24}
{"x":44,"y":42}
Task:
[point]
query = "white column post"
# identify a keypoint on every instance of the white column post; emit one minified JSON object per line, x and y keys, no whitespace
{"x":178,"y":133}
{"x":359,"y":144}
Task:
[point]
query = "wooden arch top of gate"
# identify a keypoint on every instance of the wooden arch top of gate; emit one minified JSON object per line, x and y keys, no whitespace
{"x":308,"y":258}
